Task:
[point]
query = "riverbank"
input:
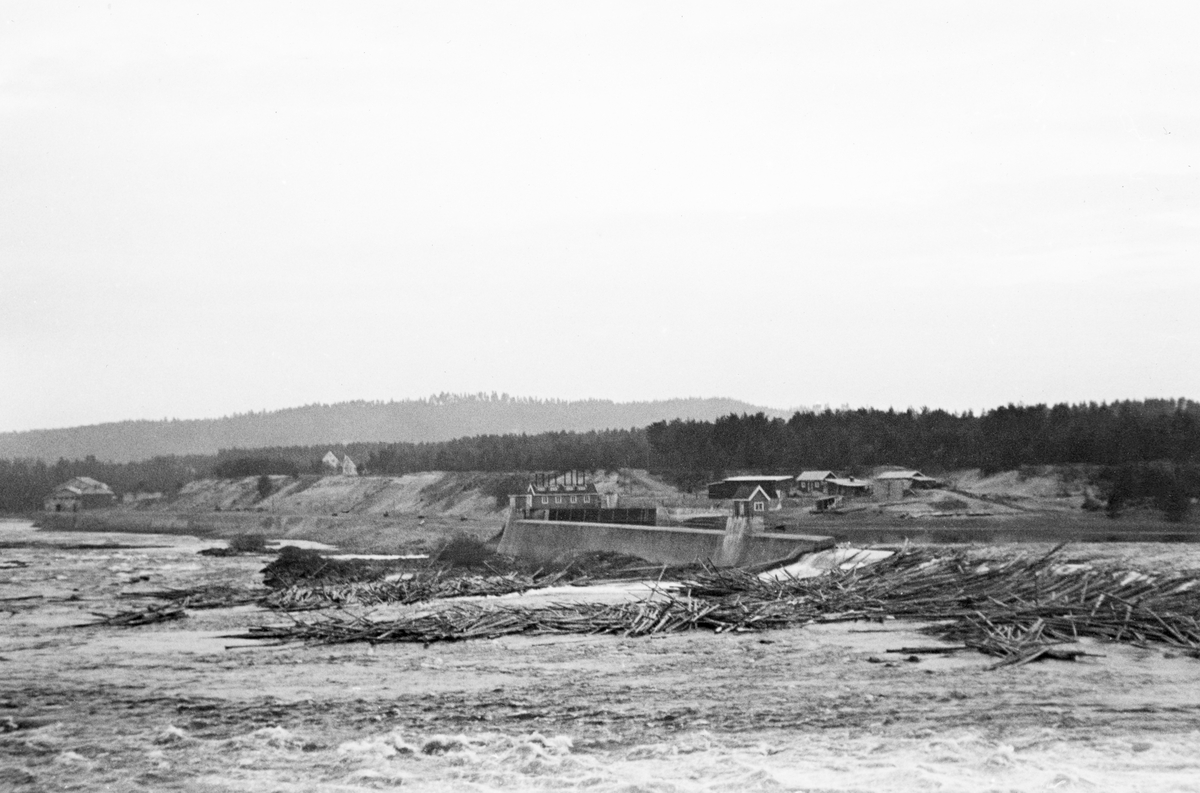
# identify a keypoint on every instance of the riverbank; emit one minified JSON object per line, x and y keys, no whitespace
{"x":400,"y":534}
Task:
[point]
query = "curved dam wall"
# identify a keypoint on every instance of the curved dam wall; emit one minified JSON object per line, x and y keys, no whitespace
{"x":738,"y":545}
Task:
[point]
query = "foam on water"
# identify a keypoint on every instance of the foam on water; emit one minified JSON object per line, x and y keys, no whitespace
{"x":703,"y":762}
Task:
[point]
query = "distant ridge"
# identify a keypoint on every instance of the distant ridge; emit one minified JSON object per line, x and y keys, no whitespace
{"x":438,"y":418}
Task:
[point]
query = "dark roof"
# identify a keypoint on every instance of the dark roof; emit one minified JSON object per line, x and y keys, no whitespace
{"x":746,"y":492}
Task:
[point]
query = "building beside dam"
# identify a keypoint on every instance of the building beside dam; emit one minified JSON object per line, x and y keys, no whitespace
{"x":550,"y":529}
{"x":573,"y":498}
{"x":569,"y":492}
{"x":749,"y":502}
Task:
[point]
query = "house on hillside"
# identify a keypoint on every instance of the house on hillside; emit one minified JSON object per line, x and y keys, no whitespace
{"x":729,"y":486}
{"x":82,"y":492}
{"x":348,"y":466}
{"x":331,"y":462}
{"x":814,"y":481}
{"x":892,"y":485}
{"x":755,"y":501}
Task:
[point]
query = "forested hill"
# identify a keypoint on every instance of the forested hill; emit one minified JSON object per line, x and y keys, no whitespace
{"x":437,"y":418}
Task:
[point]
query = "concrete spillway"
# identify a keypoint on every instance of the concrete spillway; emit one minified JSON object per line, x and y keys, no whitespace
{"x":741,"y":544}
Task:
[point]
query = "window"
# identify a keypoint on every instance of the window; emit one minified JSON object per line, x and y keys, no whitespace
{"x":574,"y":499}
{"x":545,"y":499}
{"x":558,"y":499}
{"x":758,"y":506}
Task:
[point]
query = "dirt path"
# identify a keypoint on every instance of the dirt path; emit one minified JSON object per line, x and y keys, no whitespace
{"x":167,"y":707}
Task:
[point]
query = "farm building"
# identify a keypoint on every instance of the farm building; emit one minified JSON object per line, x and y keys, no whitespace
{"x":754,"y":500}
{"x":728,"y":487}
{"x":892,"y":485}
{"x":82,"y":492}
{"x":348,"y":466}
{"x":331,"y":462}
{"x":814,"y":481}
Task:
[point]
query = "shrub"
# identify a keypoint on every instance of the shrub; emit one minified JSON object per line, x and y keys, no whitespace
{"x":462,"y":550}
{"x":502,"y":486}
{"x":1175,"y":504}
{"x":305,"y":566}
{"x":248,"y":543}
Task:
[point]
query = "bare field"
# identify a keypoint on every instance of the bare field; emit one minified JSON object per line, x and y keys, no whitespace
{"x":169,"y":707}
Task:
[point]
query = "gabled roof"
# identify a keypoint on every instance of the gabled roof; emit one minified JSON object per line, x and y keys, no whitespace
{"x":84,"y":485}
{"x":746,"y":492}
{"x":815,"y":476}
{"x":902,"y":475}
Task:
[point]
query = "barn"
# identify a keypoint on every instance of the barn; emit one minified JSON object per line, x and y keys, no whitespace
{"x":79,"y":493}
{"x":892,"y":485}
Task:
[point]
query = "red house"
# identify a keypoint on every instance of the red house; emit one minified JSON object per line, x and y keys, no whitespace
{"x":749,"y":502}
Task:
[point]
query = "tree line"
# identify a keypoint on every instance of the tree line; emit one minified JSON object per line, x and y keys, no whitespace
{"x":1149,"y":450}
{"x":1001,"y":439}
{"x":25,"y":483}
{"x":1137,"y":440}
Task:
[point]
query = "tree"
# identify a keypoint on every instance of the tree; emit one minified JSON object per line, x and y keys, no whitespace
{"x":1175,"y":503}
{"x":264,"y":486}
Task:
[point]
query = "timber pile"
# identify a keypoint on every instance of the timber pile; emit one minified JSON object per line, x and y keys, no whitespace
{"x":414,"y":588}
{"x":147,"y":616}
{"x":470,"y":621}
{"x":1018,"y":609}
{"x":306,"y":567}
{"x":212,"y":596}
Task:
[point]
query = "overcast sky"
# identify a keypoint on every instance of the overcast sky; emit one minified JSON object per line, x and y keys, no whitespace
{"x":213,"y":208}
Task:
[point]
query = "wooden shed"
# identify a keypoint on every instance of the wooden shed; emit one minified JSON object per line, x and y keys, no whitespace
{"x":79,"y":493}
{"x":892,"y":485}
